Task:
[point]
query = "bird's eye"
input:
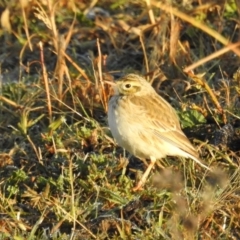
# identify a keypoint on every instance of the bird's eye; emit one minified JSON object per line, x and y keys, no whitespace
{"x":128,"y":85}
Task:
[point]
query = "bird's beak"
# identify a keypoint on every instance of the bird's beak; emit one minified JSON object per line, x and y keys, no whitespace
{"x":113,"y":85}
{"x":110,"y":83}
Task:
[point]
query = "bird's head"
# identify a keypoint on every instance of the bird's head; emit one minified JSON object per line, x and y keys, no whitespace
{"x":131,"y":84}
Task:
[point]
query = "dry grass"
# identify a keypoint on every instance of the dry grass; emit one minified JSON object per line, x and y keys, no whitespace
{"x":61,"y":175}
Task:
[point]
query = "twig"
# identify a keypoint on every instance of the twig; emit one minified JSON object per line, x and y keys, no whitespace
{"x":216,"y":54}
{"x":45,"y":79}
{"x":194,"y":22}
{"x":99,"y":64}
{"x":205,"y":85}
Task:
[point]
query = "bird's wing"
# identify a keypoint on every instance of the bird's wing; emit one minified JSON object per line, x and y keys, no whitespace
{"x":162,"y":120}
{"x":178,"y":139}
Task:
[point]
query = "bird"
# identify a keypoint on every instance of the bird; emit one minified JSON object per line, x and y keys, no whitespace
{"x":145,"y":124}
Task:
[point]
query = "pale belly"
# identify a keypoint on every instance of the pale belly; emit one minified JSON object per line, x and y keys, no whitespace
{"x":136,"y":137}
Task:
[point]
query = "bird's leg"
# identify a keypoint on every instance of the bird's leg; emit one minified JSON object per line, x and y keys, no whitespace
{"x":145,"y":175}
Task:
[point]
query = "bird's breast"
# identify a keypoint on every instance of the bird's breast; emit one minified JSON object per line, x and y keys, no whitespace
{"x":122,"y":120}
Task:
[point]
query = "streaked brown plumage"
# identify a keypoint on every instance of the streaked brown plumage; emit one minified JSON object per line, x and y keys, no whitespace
{"x":145,"y":124}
